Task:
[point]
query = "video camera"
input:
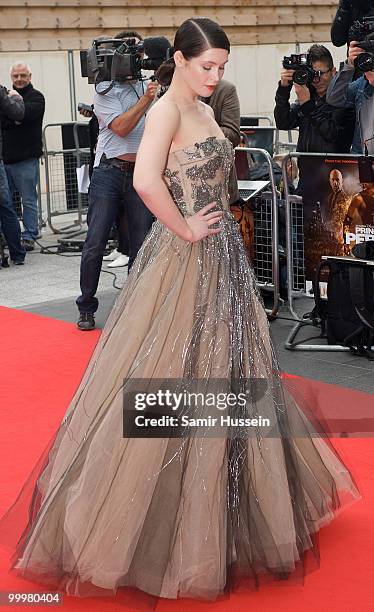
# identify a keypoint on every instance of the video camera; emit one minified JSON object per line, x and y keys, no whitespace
{"x":363,"y":33}
{"x":121,"y":59}
{"x":301,"y":63}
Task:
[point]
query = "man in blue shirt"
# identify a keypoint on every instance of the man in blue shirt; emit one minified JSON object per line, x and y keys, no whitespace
{"x":121,"y":115}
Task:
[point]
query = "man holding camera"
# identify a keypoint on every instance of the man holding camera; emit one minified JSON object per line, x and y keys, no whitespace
{"x":322,"y":128}
{"x":11,"y":108}
{"x":121,"y":115}
{"x":357,"y":95}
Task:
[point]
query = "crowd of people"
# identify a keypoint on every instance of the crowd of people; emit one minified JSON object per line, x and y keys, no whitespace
{"x":333,"y":112}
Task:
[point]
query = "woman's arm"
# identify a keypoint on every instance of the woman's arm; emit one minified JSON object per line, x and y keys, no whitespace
{"x":162,"y":124}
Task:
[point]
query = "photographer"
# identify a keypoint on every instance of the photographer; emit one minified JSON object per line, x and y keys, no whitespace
{"x":322,"y":128}
{"x":357,"y":95}
{"x":11,"y":108}
{"x":120,"y":113}
{"x":348,"y":12}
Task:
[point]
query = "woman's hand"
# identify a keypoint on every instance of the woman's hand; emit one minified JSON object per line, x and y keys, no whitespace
{"x":200,"y":223}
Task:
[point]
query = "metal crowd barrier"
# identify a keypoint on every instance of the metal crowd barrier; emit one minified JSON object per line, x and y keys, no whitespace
{"x":249,"y":119}
{"x":64,"y":200}
{"x":296,"y":280}
{"x":63,"y":153}
{"x":285,"y":146}
{"x":259,"y":136}
{"x":279,"y":146}
{"x":266,"y":239}
{"x":83,"y":156}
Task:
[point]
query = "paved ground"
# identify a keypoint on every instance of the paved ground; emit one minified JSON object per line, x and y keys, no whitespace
{"x":48,"y":284}
{"x":48,"y":276}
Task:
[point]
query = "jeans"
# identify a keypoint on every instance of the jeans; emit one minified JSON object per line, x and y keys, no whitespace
{"x":9,"y":220}
{"x":111,"y":197}
{"x":23,"y":177}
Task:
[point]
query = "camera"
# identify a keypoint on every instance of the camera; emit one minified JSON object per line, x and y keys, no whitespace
{"x":121,"y":59}
{"x":363,"y":33}
{"x":302,"y":65}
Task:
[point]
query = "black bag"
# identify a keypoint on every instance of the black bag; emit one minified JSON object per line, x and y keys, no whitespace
{"x":347,"y":316}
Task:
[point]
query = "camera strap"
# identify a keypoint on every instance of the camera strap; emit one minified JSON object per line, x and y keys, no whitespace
{"x":104,"y":91}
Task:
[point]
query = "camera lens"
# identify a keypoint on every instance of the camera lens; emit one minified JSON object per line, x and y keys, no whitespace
{"x":365,"y":61}
{"x":301,"y":76}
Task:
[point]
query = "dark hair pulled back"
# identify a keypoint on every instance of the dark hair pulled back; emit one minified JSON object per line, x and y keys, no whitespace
{"x":319,"y":53}
{"x":193,"y":37}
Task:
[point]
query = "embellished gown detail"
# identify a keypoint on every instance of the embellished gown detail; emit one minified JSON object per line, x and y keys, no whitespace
{"x":187,"y":516}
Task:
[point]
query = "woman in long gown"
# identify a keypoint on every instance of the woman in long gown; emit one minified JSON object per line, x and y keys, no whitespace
{"x":183,"y":516}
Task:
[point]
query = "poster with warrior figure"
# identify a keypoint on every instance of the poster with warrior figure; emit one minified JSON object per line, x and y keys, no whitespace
{"x":338,"y":207}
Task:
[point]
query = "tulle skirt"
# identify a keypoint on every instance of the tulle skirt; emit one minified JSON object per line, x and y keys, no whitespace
{"x":190,"y":515}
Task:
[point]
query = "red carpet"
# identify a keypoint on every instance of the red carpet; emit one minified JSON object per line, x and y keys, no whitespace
{"x":42,"y":361}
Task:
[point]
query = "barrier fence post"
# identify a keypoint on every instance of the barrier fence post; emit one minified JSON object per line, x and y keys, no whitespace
{"x":272,"y":281}
{"x":61,"y":162}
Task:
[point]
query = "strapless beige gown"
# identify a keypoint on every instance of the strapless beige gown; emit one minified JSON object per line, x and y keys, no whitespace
{"x":179,"y":517}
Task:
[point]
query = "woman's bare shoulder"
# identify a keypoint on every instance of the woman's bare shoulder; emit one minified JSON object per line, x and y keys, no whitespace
{"x":165,"y":108}
{"x":162,"y":123}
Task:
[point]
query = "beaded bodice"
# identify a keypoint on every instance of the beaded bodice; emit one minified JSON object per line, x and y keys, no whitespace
{"x":199,"y":174}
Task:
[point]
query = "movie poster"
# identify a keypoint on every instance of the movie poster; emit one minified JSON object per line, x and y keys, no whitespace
{"x":338,"y":207}
{"x":245,"y":218}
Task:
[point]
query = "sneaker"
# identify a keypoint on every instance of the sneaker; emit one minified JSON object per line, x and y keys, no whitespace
{"x":28,"y":244}
{"x":112,"y":256}
{"x":18,"y":262}
{"x":86,"y":321}
{"x":120,"y":262}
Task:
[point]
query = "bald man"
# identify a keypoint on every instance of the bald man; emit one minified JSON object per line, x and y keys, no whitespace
{"x":22,"y":150}
{"x":337,"y":204}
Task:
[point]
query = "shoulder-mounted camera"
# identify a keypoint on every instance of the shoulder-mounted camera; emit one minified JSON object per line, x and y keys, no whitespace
{"x":122,"y":59}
